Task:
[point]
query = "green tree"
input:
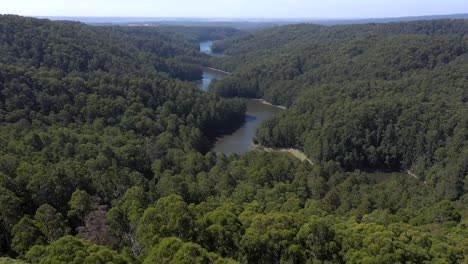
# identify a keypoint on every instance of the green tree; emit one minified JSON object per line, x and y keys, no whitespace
{"x":316,"y":238}
{"x":52,"y":223}
{"x":222,"y":232}
{"x":440,"y":213}
{"x":169,"y":217}
{"x":10,"y":213}
{"x":164,"y":251}
{"x":80,"y":205}
{"x":26,"y":233}
{"x":69,"y":249}
{"x":123,"y":217}
{"x":267,"y":237}
{"x":172,"y":250}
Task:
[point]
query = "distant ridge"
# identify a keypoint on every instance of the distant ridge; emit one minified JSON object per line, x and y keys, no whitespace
{"x":183,"y":20}
{"x":390,"y":19}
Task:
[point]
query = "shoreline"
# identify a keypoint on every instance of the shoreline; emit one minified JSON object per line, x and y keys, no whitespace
{"x":294,"y":152}
{"x":217,"y":70}
{"x":414,"y":176}
{"x":263,"y":101}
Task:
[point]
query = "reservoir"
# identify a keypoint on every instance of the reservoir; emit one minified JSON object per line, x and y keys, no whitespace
{"x":205,"y":47}
{"x":241,"y":140}
{"x":208,"y":76}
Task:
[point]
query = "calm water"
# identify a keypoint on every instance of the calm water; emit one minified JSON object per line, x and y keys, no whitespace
{"x":241,"y":140}
{"x":208,"y":76}
{"x":205,"y":47}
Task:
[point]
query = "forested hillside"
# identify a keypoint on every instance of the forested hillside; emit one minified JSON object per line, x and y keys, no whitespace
{"x":74,"y":95}
{"x":196,"y":34}
{"x":104,"y":159}
{"x":374,"y":97}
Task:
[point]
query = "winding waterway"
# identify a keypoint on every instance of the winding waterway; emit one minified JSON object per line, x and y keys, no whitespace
{"x":205,"y":47}
{"x":208,"y":76}
{"x":241,"y":140}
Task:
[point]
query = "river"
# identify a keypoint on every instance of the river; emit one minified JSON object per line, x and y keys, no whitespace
{"x":205,"y":47}
{"x":241,"y":140}
{"x":208,"y":76}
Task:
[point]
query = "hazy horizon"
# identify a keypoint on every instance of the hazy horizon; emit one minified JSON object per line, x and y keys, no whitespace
{"x":240,"y":18}
{"x":240,"y":9}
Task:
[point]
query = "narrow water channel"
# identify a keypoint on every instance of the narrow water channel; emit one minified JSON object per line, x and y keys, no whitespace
{"x":208,"y":76}
{"x":205,"y":47}
{"x":241,"y":140}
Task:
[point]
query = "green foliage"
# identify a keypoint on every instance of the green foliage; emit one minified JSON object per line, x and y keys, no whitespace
{"x":84,"y":112}
{"x":267,"y":237}
{"x":51,"y":222}
{"x":26,"y":233}
{"x":222,"y":232}
{"x":72,"y":46}
{"x":165,"y":250}
{"x":172,"y":250}
{"x":316,"y":240}
{"x":99,"y":139}
{"x":441,"y":213}
{"x":69,"y":249}
{"x":80,"y":205}
{"x":169,"y":217}
{"x":10,"y":213}
{"x":375,"y":97}
{"x":122,"y":219}
{"x":11,"y":261}
{"x":196,"y":34}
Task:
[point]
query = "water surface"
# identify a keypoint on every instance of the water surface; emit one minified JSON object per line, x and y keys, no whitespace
{"x":205,"y":47}
{"x":241,"y":140}
{"x":208,"y":76}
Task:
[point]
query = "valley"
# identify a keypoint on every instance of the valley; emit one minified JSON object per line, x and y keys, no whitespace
{"x":289,"y":144}
{"x":241,"y":140}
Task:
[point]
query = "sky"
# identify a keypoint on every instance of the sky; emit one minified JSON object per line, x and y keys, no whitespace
{"x":234,"y":8}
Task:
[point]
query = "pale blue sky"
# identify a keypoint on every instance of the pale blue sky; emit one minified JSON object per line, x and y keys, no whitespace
{"x":235,"y":8}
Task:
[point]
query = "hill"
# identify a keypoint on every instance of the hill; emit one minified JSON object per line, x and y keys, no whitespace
{"x":104,"y":157}
{"x":374,"y":97}
{"x":76,"y":97}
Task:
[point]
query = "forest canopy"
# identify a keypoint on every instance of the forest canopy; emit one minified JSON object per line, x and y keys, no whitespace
{"x":372,"y":97}
{"x":105,"y":145}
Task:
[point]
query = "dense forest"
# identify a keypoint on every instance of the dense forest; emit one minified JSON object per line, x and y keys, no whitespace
{"x":104,"y":151}
{"x":383,"y":97}
{"x":198,"y":34}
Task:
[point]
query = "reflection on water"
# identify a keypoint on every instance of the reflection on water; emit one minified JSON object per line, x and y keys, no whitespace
{"x":208,"y":76}
{"x":241,"y":140}
{"x":205,"y":47}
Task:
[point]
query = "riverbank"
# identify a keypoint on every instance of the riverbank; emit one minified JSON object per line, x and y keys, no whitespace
{"x":263,"y":101}
{"x":240,"y":141}
{"x":414,"y":175}
{"x":294,"y":152}
{"x":268,"y":103}
{"x":217,"y":70}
